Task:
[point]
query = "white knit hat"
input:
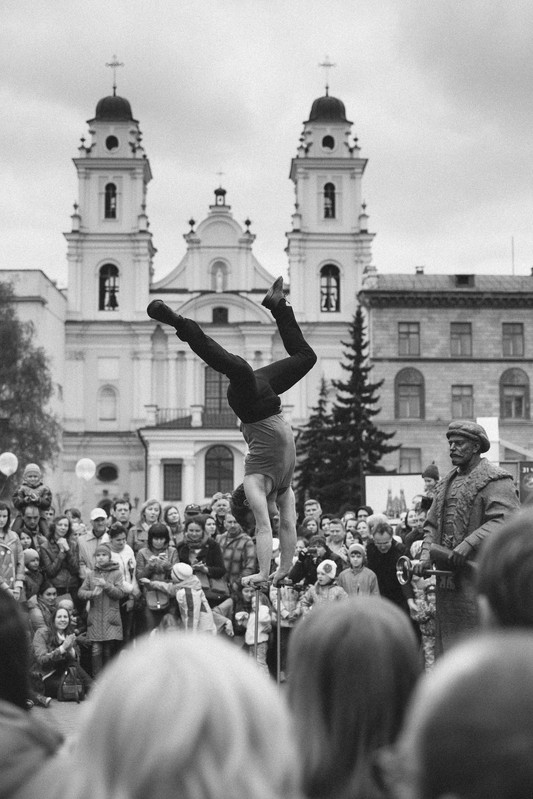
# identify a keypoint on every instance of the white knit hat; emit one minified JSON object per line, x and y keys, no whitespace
{"x":328,"y":567}
{"x":181,"y":572}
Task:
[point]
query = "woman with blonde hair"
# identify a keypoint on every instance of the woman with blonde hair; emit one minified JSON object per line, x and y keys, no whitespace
{"x":205,"y":724}
{"x":352,"y":666}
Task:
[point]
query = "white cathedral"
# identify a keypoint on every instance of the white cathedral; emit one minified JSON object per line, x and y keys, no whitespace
{"x":130,"y":395}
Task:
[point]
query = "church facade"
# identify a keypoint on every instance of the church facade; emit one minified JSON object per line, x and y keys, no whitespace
{"x":154,"y":419}
{"x":134,"y":398}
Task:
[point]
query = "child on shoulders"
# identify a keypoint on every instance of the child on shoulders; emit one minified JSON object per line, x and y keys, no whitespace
{"x":32,"y":491}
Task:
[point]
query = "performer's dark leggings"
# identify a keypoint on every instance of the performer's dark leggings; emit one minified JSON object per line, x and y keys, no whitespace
{"x":252,"y":393}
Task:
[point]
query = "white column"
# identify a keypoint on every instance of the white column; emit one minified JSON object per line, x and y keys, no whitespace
{"x":172,"y":387}
{"x":189,"y":486}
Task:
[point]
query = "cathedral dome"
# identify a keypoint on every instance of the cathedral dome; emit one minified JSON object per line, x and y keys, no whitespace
{"x":114,"y":108}
{"x":328,"y":109}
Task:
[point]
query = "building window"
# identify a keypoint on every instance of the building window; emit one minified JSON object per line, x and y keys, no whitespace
{"x":461,"y":339}
{"x":111,"y":143}
{"x":330,"y":289}
{"x":216,"y":411}
{"x":107,"y":404}
{"x":220,"y":316}
{"x":108,"y":288}
{"x":171,"y":482}
{"x":513,"y":339}
{"x":328,"y":143}
{"x":218,"y":471}
{"x":110,"y":211}
{"x":410,"y":460}
{"x":462,"y":402}
{"x":408,"y":338}
{"x":106,"y":472}
{"x":409,"y":395}
{"x":514,"y":394}
{"x":329,"y":201}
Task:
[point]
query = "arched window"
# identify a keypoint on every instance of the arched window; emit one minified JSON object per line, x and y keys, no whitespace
{"x":329,"y":201}
{"x":409,"y":395}
{"x":328,"y":142}
{"x":218,"y":470}
{"x":330,"y":288}
{"x":107,"y":404}
{"x":110,"y":211}
{"x":514,"y":394}
{"x":220,"y":316}
{"x":108,"y":288}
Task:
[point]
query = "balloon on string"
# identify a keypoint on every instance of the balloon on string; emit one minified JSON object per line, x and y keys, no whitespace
{"x":85,"y":469}
{"x":8,"y":463}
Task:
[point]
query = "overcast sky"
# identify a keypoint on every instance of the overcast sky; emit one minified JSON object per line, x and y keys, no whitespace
{"x":440,"y":94}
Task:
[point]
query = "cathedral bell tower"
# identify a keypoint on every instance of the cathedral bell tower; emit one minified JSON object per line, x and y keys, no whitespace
{"x":329,"y":245}
{"x":110,"y":248}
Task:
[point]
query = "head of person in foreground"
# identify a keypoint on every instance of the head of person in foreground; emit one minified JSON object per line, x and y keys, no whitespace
{"x":352,"y":667}
{"x":469,"y":732}
{"x":185,"y":716}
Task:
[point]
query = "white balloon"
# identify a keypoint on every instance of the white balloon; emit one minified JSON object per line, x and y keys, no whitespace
{"x":8,"y":463}
{"x":85,"y":469}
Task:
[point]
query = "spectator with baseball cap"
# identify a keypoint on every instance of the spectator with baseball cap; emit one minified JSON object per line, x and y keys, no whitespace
{"x":95,"y":536}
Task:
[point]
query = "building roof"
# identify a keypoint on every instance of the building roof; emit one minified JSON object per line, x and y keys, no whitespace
{"x":328,"y":109}
{"x":447,"y":290}
{"x":114,"y":108}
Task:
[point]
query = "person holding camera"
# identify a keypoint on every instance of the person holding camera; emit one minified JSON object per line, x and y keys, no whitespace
{"x":59,"y":558}
{"x":305,"y":569}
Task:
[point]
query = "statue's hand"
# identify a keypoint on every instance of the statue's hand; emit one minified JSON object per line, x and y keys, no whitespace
{"x":460,"y":553}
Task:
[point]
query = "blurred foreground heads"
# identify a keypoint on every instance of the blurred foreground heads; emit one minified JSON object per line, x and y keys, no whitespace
{"x":469,"y":733}
{"x":352,"y":666}
{"x":184,"y":716}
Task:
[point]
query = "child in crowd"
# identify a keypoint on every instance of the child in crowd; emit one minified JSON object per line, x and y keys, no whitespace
{"x":358,"y":579}
{"x":325,"y":589}
{"x":103,"y":588}
{"x":33,"y":576}
{"x":32,"y":491}
{"x":289,"y":610}
{"x":193,"y":607}
{"x":425,"y":616}
{"x":264,"y":628}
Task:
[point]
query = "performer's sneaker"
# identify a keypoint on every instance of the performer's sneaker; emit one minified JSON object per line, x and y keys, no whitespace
{"x":160,"y":311}
{"x":274,"y":294}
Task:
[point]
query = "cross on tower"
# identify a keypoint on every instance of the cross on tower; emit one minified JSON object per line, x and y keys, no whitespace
{"x":220,"y":177}
{"x":326,"y":65}
{"x":114,"y":64}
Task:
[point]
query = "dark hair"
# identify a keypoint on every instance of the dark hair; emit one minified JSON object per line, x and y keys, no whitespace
{"x":52,"y":525}
{"x":200,"y":519}
{"x":46,"y":584}
{"x":368,"y":509}
{"x":116,"y":529}
{"x":381,"y":528}
{"x":14,"y":652}
{"x":352,"y":666}
{"x":505,"y":571}
{"x":158,"y":530}
{"x":4,"y":506}
{"x":74,"y":512}
{"x":122,"y":501}
{"x":239,"y":506}
{"x":165,"y":514}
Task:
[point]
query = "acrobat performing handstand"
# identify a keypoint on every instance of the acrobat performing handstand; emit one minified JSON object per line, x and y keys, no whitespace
{"x":254,"y":397}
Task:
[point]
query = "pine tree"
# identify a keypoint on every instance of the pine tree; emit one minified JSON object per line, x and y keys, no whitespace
{"x":313,"y":445}
{"x":27,"y":428}
{"x":359,"y":444}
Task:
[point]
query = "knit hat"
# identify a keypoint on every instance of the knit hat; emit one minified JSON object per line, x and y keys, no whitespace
{"x":431,"y":471}
{"x":32,"y":467}
{"x":103,"y":548}
{"x":29,"y":555}
{"x":181,"y":572}
{"x":356,"y":547}
{"x":328,"y":567}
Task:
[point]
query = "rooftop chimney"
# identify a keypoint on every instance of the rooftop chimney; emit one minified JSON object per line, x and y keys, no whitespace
{"x":419,"y":270}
